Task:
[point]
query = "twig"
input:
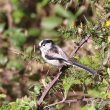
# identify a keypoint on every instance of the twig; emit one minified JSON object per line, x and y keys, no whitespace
{"x":48,"y":88}
{"x":83,"y":41}
{"x":72,"y":101}
{"x":102,"y":101}
{"x":90,"y":99}
{"x":8,"y":9}
{"x":16,"y":52}
{"x":99,"y":6}
{"x":60,"y":102}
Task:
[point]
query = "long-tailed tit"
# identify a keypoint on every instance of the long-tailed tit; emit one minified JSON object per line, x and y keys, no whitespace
{"x":54,"y":55}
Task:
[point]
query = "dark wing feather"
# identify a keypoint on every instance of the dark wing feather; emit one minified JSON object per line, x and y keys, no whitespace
{"x":56,"y":53}
{"x":55,"y":58}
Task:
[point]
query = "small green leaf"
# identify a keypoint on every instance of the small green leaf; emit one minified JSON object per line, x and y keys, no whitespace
{"x":63,"y":12}
{"x":3,"y":60}
{"x":2,"y":96}
{"x":2,"y":26}
{"x":34,"y":32}
{"x":88,"y":81}
{"x":67,"y":83}
{"x":15,"y":64}
{"x":5,"y":107}
{"x":51,"y":22}
{"x":16,"y":36}
{"x":85,"y":60}
{"x":108,"y":71}
{"x":93,"y":93}
{"x":15,"y":106}
{"x":43,"y":2}
{"x":89,"y":107}
{"x":37,"y":89}
{"x":29,"y":50}
{"x":17,"y":15}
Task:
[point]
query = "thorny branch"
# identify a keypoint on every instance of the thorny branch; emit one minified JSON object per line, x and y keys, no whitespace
{"x":73,"y":101}
{"x":60,"y":102}
{"x":48,"y":88}
{"x":83,"y":41}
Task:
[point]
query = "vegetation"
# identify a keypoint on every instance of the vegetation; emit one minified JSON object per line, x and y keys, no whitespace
{"x":23,"y":73}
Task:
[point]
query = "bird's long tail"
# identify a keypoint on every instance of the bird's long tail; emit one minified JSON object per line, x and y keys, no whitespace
{"x":84,"y":67}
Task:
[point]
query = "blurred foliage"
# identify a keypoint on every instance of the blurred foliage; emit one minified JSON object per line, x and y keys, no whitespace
{"x":23,"y":73}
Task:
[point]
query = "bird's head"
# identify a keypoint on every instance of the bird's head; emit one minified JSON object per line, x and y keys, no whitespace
{"x":46,"y":44}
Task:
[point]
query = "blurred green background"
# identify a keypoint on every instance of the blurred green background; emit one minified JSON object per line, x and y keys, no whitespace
{"x":23,"y":74}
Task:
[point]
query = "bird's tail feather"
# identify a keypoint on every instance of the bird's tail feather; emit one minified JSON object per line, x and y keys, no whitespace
{"x":84,"y":67}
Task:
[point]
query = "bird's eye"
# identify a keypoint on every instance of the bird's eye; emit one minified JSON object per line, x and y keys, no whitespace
{"x":43,"y":44}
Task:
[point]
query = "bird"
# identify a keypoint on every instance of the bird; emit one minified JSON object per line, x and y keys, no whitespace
{"x":56,"y":56}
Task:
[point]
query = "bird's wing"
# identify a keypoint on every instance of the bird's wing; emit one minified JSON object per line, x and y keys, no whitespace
{"x":62,"y":53}
{"x":57,"y":53}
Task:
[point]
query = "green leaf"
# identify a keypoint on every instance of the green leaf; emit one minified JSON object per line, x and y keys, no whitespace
{"x":15,"y":106}
{"x":26,"y":102}
{"x":108,"y":71}
{"x":2,"y":96}
{"x":17,"y":15}
{"x":85,"y":60}
{"x":51,"y":22}
{"x":29,"y":50}
{"x":17,"y":37}
{"x":15,"y":64}
{"x":3,"y":60}
{"x":50,"y":33}
{"x":88,"y":108}
{"x":5,"y":107}
{"x":63,"y":12}
{"x":14,"y":1}
{"x":93,"y":93}
{"x":37,"y":89}
{"x":2,"y":26}
{"x":34,"y":32}
{"x":88,"y":81}
{"x":67,"y":83}
{"x":76,"y":81}
{"x":43,"y":2}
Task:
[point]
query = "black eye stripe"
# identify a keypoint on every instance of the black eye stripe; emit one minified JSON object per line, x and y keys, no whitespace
{"x":47,"y":41}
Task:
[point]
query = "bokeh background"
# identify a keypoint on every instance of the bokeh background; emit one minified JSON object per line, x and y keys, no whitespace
{"x":23,"y":73}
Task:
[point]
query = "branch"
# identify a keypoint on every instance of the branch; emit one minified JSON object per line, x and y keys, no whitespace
{"x":16,"y":52}
{"x":8,"y":9}
{"x":82,"y":42}
{"x":49,"y":86}
{"x":60,"y":102}
{"x":72,"y":101}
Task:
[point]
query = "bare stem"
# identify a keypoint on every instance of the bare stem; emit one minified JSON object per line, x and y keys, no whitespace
{"x":60,"y":102}
{"x":49,"y":86}
{"x":82,"y":42}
